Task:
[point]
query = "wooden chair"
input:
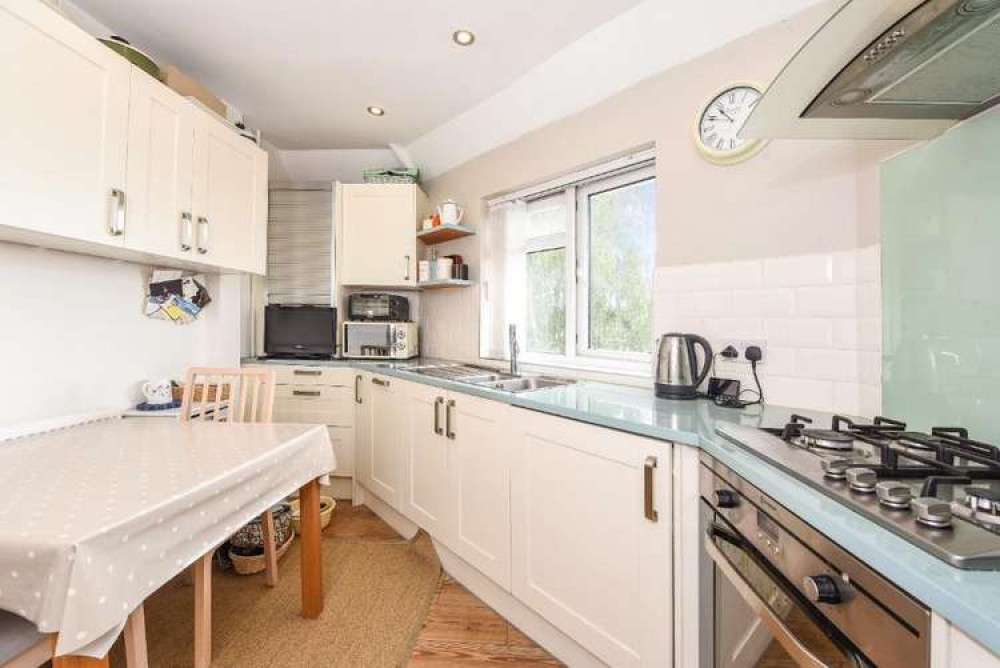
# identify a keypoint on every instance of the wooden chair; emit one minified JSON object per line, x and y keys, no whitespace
{"x":24,"y":646}
{"x":231,"y":396}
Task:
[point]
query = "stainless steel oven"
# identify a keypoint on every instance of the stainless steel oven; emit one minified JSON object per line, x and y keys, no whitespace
{"x":783,"y":594}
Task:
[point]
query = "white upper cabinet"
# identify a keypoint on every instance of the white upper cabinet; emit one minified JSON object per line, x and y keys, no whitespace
{"x":108,"y":161}
{"x":230,"y":197}
{"x":377,"y":234}
{"x":63,"y":125}
{"x":158,"y":177}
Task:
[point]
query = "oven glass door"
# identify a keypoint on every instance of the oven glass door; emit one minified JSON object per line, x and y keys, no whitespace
{"x":761,"y":619}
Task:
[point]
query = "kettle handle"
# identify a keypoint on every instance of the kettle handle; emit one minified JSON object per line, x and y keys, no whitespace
{"x":707,"y":349}
{"x":461,"y":214}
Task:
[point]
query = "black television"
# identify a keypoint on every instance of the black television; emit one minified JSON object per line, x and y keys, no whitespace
{"x":300,"y":331}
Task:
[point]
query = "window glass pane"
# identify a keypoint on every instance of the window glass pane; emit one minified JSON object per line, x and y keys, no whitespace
{"x":546,"y":291}
{"x":547,"y":216}
{"x":622,"y":249}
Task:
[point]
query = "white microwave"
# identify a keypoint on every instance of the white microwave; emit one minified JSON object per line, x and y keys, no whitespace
{"x":380,"y":340}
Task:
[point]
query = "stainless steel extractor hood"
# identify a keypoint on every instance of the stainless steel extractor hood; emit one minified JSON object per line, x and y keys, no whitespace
{"x":891,"y":69}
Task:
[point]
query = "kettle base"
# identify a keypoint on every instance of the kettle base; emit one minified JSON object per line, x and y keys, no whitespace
{"x":676,"y":391}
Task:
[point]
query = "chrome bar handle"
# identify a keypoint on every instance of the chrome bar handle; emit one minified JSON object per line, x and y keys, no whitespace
{"x":647,"y":493}
{"x":307,"y":372}
{"x":379,"y":381}
{"x":801,"y":654}
{"x":202,"y":235}
{"x":437,"y":415}
{"x":306,"y":393}
{"x":116,"y":216}
{"x":357,"y":390}
{"x":406,"y":267}
{"x":187,"y":231}
{"x":449,"y":432}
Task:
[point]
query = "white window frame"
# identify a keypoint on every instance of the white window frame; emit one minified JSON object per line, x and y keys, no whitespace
{"x":576,"y":189}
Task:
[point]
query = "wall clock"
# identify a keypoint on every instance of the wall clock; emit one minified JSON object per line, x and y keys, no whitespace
{"x":719,"y":123}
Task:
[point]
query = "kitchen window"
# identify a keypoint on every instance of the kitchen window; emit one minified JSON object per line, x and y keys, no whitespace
{"x":570,"y":263}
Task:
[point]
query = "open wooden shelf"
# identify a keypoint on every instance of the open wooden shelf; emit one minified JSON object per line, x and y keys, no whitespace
{"x":442,"y":233}
{"x":444,"y":283}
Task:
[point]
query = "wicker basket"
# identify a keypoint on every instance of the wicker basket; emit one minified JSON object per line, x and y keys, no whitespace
{"x":255,"y":563}
{"x":178,"y":393}
{"x":392,"y":175}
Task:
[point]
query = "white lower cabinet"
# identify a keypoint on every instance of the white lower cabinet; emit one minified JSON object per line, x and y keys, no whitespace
{"x":951,"y":648}
{"x":591,"y":536}
{"x":380,"y":457}
{"x":457,"y":484}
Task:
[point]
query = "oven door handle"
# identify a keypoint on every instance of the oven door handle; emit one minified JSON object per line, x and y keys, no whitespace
{"x":799,"y":652}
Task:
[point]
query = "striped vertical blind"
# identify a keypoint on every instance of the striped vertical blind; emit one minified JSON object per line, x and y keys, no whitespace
{"x":300,"y":247}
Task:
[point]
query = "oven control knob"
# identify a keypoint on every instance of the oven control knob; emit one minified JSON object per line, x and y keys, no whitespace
{"x":726,"y":498}
{"x":822,"y":589}
{"x":932,"y":512}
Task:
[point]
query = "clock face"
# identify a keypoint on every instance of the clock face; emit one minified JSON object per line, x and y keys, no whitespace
{"x":723,"y":118}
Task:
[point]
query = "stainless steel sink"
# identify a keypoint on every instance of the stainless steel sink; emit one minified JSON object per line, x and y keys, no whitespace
{"x":487,"y":377}
{"x":524,"y":384}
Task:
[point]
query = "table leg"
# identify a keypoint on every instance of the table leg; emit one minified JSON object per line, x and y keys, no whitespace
{"x":80,"y":662}
{"x":311,"y":550}
{"x":203,"y":610}
{"x":135,"y":639}
{"x":270,"y":549}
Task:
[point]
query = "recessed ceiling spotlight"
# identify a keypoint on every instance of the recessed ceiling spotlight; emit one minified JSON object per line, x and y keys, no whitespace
{"x":376,"y":111}
{"x":463,"y":37}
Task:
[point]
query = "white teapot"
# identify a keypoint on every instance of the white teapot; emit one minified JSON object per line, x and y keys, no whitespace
{"x":158,"y":392}
{"x":451,"y":213}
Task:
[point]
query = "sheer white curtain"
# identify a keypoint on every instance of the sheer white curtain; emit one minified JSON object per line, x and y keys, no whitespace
{"x":503,"y":270}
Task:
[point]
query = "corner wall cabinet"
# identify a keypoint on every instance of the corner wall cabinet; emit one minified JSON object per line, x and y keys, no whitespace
{"x":111,"y":162}
{"x":376,"y":226}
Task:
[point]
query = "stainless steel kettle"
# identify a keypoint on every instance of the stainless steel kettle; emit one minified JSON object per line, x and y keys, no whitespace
{"x":677,"y":371}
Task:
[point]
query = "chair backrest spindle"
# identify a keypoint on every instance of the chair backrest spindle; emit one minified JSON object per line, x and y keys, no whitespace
{"x":228,"y":395}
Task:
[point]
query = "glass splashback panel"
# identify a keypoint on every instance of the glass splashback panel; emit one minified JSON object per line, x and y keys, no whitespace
{"x":941,"y":281}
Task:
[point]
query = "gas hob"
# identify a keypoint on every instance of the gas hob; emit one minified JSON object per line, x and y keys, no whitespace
{"x":939,"y":490}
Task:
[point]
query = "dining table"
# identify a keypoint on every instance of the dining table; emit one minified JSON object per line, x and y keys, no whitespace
{"x":96,"y":515}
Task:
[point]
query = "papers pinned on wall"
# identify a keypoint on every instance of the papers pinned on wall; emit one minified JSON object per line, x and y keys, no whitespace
{"x":175,"y":297}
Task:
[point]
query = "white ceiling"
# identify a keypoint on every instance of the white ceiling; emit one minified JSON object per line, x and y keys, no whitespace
{"x":304,"y":71}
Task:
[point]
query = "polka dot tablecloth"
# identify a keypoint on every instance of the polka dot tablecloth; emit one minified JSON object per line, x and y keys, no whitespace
{"x":95,"y":517}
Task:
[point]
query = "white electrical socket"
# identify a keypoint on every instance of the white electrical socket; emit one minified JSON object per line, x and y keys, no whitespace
{"x":748,"y":343}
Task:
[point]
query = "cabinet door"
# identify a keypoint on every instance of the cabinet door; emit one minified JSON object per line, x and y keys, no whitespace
{"x":480,"y":439}
{"x":585,"y":555}
{"x":342,"y":439}
{"x":230,"y":197}
{"x":386,"y":458}
{"x":378,"y":235}
{"x":158,"y":175}
{"x":363,"y":429}
{"x":425,"y":498}
{"x":63,"y":126}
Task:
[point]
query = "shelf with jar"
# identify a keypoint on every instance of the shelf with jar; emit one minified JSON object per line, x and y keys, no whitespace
{"x":442,"y":271}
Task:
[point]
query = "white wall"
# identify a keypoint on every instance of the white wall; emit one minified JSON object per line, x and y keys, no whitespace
{"x":73,"y":337}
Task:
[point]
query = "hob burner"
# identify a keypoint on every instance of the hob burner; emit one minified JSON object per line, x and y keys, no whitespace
{"x":827,"y":439}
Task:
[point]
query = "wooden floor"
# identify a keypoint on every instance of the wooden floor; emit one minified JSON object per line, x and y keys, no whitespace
{"x":461,"y":630}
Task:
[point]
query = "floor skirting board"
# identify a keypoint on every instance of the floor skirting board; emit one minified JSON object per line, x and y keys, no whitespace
{"x":403,"y":526}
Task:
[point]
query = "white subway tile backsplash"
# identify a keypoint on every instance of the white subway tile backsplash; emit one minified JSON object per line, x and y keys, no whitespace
{"x":799,"y":392}
{"x":870,"y":264}
{"x":857,"y":333}
{"x":833,"y":301}
{"x":799,"y":332}
{"x":718,"y":303}
{"x":845,"y":267}
{"x":798,"y":270}
{"x":763,"y":302}
{"x":734,"y":328}
{"x":827,"y":364}
{"x":819,"y":316}
{"x":869,"y":300}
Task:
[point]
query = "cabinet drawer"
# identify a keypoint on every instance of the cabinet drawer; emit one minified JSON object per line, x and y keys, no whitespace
{"x":294,"y":374}
{"x":314,"y":404}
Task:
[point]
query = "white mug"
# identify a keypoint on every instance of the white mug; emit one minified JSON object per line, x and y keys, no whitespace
{"x":158,"y":392}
